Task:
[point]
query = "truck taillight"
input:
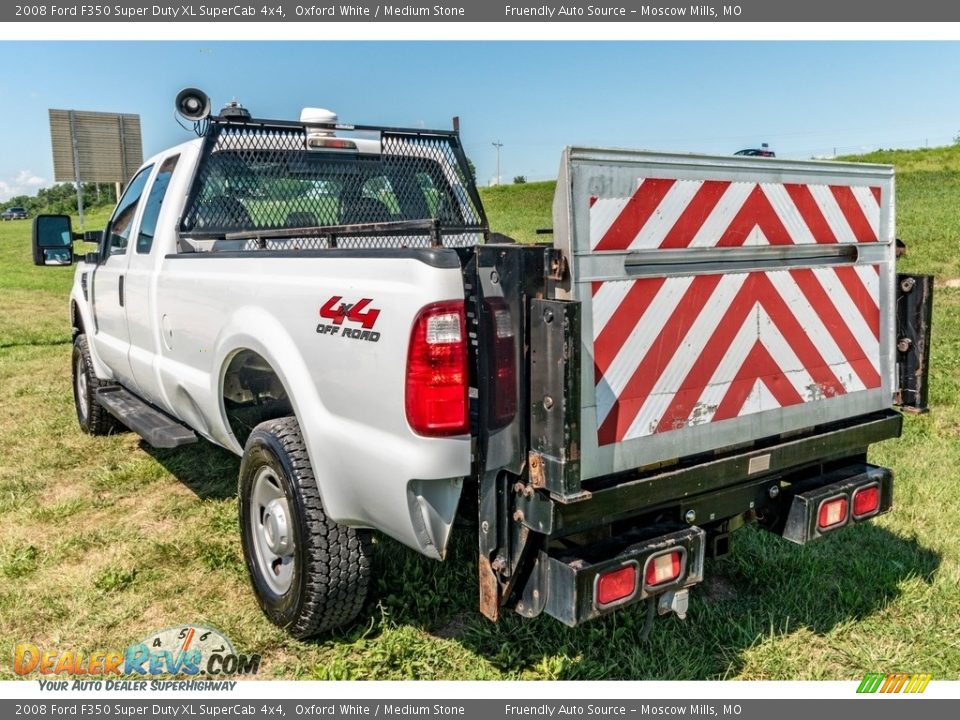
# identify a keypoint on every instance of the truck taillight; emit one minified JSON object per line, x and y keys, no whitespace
{"x":437,"y":376}
{"x":866,"y":501}
{"x":663,"y":568}
{"x":832,"y":513}
{"x":616,"y":585}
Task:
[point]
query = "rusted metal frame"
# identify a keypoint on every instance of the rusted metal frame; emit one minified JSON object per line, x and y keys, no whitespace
{"x":914,"y":317}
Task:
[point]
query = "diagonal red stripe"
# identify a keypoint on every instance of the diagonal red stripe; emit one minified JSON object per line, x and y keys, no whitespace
{"x":863,"y":231}
{"x":811,"y":213}
{"x":623,"y":321}
{"x":651,"y":366}
{"x":876,"y":193}
{"x":861,"y":297}
{"x":756,"y":211}
{"x":756,"y":289}
{"x":758,"y":365}
{"x":695,"y":214}
{"x":820,"y":301}
{"x":635,"y":214}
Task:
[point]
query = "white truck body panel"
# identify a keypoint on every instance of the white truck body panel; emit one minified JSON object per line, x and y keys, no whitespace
{"x":187,"y":314}
{"x":724,"y":299}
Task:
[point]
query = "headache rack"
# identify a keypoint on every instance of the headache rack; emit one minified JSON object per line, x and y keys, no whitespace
{"x":276,"y":185}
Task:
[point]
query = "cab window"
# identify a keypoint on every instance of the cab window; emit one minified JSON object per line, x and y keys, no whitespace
{"x":121,"y":224}
{"x":151,"y":210}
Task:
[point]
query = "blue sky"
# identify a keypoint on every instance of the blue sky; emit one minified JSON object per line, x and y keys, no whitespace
{"x":803,"y":98}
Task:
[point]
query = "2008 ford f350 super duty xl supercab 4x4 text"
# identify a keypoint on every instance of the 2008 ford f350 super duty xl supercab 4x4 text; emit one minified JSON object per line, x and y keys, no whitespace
{"x":705,"y":342}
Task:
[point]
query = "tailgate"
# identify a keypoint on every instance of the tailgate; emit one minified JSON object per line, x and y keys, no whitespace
{"x":723,"y":299}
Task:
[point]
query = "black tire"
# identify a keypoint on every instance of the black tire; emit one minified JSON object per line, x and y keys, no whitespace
{"x":91,"y":415}
{"x":319,"y":584}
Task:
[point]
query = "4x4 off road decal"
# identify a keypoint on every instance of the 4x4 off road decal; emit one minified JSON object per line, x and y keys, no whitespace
{"x":359,"y":313}
{"x":672,"y":352}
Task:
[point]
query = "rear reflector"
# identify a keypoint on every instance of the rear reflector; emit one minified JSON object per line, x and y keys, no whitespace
{"x":615,"y":585}
{"x":866,"y":501}
{"x":663,"y":569}
{"x":437,"y":376}
{"x":832,"y":513}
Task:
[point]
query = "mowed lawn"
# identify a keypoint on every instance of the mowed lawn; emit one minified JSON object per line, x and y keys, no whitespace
{"x":103,"y":540}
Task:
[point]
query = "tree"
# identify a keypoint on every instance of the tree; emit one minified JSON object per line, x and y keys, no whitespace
{"x":519,"y":179}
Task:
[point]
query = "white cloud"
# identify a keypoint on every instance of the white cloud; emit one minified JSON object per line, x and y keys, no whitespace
{"x":25,"y":183}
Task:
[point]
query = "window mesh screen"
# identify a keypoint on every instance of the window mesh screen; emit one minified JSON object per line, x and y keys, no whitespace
{"x":259,"y":187}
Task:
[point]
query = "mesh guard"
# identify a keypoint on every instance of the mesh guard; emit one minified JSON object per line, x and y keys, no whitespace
{"x":258,"y":187}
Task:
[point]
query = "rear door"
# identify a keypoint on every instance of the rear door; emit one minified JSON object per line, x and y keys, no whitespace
{"x":112,"y":337}
{"x":723,"y":299}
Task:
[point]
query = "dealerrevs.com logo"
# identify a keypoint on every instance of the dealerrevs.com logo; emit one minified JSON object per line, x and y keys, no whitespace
{"x":186,"y":650}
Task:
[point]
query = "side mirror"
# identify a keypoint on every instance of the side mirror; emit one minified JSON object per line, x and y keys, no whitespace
{"x":52,"y":240}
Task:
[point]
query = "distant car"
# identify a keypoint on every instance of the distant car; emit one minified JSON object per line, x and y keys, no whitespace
{"x":756,"y":152}
{"x":14,"y":213}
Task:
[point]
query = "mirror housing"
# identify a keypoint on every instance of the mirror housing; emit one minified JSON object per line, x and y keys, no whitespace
{"x":52,"y":240}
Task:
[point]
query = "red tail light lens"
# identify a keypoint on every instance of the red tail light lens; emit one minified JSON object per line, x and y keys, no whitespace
{"x":437,"y":376}
{"x":866,"y":501}
{"x":663,"y":568}
{"x":615,"y":585}
{"x":832,"y":513}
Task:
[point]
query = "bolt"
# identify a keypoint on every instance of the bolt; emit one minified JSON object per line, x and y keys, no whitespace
{"x":774,"y":492}
{"x":528,"y":492}
{"x":752,"y":504}
{"x":494,"y":277}
{"x":518,"y":487}
{"x":547,"y":402}
{"x":907,"y":284}
{"x":520,"y":606}
{"x":904,"y":344}
{"x":485,"y":527}
{"x":536,"y":594}
{"x":518,"y":516}
{"x":691,"y":516}
{"x":548,"y":315}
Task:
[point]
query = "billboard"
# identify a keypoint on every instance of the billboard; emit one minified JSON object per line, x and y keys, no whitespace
{"x":95,"y":146}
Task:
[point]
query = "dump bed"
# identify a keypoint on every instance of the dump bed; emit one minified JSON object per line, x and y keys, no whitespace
{"x":724,"y":300}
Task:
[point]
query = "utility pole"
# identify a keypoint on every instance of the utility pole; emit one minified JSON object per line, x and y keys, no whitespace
{"x":498,"y":145}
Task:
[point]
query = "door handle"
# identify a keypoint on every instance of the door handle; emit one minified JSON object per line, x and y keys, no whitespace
{"x":121,"y":290}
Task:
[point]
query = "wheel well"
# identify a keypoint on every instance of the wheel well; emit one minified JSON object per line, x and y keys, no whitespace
{"x":76,"y":320}
{"x":252,"y":394}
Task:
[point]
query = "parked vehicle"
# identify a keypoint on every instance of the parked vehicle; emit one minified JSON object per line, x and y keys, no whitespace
{"x":706,"y":342}
{"x":756,"y":152}
{"x":14,"y":213}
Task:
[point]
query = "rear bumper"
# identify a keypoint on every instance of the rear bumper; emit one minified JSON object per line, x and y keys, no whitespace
{"x":784,"y":487}
{"x":721,"y":487}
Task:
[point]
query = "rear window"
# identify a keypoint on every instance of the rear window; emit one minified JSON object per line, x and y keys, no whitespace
{"x":239,"y":190}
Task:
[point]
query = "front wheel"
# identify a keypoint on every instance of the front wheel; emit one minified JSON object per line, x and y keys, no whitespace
{"x":310,"y":574}
{"x":91,"y":415}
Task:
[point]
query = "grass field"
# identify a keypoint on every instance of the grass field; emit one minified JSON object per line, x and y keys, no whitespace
{"x":103,"y":540}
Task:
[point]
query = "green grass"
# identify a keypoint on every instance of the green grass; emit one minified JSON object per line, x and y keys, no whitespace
{"x":103,"y":540}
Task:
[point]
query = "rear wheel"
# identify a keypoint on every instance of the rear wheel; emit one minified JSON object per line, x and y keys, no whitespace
{"x":309,"y":573}
{"x":91,"y":415}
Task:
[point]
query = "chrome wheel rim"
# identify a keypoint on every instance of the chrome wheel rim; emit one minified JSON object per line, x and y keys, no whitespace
{"x":272,"y":531}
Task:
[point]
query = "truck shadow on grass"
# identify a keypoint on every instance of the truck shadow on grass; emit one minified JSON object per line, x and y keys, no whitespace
{"x":767,"y":588}
{"x":209,"y":471}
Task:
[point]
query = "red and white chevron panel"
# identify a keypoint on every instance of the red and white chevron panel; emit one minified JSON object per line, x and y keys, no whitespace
{"x":719,"y":213}
{"x":677,"y":352}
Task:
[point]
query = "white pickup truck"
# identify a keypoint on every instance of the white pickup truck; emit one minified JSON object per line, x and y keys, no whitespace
{"x":705,"y":342}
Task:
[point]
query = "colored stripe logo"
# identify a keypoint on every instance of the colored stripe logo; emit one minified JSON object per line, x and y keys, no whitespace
{"x":894,"y":683}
